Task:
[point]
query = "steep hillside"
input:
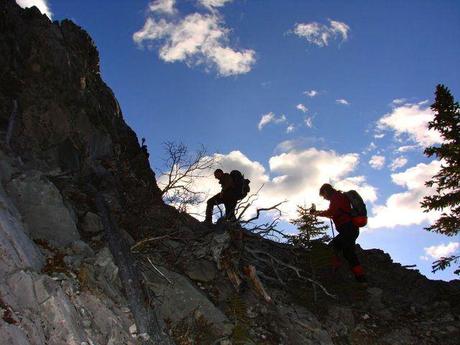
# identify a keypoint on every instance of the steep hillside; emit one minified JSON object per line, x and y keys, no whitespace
{"x":91,"y":255}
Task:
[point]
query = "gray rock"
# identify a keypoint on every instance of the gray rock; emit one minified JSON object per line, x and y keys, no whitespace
{"x":218,"y":244}
{"x":81,"y":248}
{"x":102,"y":317}
{"x":201,"y":270}
{"x":375,"y":298}
{"x":340,"y":321}
{"x":91,"y":223}
{"x":6,"y":168}
{"x":180,"y":300}
{"x":18,"y":251}
{"x":104,"y":260}
{"x":22,"y":284}
{"x":43,"y":208}
{"x":13,"y":335}
{"x":58,"y":312}
{"x":45,"y":288}
{"x":34,"y":330}
{"x":400,"y":336}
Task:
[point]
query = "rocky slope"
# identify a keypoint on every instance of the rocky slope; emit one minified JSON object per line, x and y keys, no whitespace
{"x":82,"y":222}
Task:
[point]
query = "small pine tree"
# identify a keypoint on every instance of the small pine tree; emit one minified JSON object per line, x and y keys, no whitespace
{"x":447,"y":198}
{"x":309,"y":227}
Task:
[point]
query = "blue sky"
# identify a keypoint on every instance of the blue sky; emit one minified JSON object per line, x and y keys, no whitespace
{"x":293,"y":93}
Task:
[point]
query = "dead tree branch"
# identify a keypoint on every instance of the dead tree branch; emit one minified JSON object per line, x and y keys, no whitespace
{"x":181,"y":170}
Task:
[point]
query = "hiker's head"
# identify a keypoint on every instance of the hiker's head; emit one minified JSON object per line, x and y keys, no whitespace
{"x":218,"y":173}
{"x":326,"y":191}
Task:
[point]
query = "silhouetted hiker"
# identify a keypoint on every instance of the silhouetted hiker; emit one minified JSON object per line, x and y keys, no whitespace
{"x":228,"y":196}
{"x":340,"y":212}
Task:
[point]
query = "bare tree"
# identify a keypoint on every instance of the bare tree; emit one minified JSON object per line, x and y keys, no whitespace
{"x":181,"y":169}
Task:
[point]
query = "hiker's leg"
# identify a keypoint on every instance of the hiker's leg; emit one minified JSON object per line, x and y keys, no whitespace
{"x":230,"y":202}
{"x":215,"y":200}
{"x":351,"y":233}
{"x":337,"y":246}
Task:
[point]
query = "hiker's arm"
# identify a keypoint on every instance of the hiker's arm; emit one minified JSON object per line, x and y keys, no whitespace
{"x":227,"y":182}
{"x":330,"y":212}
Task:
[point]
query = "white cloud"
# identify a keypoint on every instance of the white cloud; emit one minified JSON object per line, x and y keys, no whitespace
{"x":42,"y":5}
{"x":403,"y":209}
{"x":411,"y":120}
{"x":290,"y":128}
{"x":442,"y":250}
{"x":398,"y":101}
{"x":342,"y":101}
{"x":311,"y":93}
{"x":197,"y":39}
{"x":370,"y":147}
{"x":297,"y":144}
{"x":302,"y":108}
{"x":163,"y":6}
{"x":407,"y":148}
{"x":379,"y":135}
{"x":397,"y":163}
{"x":320,"y":34}
{"x":308,"y":120}
{"x":295,"y":175}
{"x":211,"y":4}
{"x":268,"y":118}
{"x":377,"y":162}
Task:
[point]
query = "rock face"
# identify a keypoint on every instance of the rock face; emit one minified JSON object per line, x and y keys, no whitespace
{"x":42,"y":206}
{"x":63,"y":140}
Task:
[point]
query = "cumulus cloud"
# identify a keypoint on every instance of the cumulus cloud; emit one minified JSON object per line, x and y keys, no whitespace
{"x":294,"y":176}
{"x":163,"y":6}
{"x":442,"y":250}
{"x":268,"y":118}
{"x":342,"y":101}
{"x":42,"y":5}
{"x":402,"y":209}
{"x":411,"y":120}
{"x":320,"y":34}
{"x":397,"y":163}
{"x":377,"y":162}
{"x":311,"y":93}
{"x":297,"y":144}
{"x":196,"y":39}
{"x":302,"y":108}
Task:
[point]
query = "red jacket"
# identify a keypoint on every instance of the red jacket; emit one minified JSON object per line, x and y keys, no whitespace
{"x":339,"y":209}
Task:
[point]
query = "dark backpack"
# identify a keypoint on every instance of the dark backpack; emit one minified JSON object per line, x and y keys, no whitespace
{"x":358,"y":208}
{"x":241,"y":184}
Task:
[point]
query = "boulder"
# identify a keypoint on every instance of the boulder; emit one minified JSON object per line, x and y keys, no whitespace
{"x":201,"y":270}
{"x":43,"y":209}
{"x":18,"y":251}
{"x":91,"y":223}
{"x":181,"y":300}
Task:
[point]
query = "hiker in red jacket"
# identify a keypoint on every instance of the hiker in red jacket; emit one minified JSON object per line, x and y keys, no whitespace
{"x":227,"y":197}
{"x":339,"y":211}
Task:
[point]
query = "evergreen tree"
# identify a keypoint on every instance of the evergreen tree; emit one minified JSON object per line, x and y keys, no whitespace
{"x":309,"y":227}
{"x":447,"y":182}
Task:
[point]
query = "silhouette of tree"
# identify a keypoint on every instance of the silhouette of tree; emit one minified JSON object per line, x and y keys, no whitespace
{"x":182,"y":169}
{"x":447,"y":182}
